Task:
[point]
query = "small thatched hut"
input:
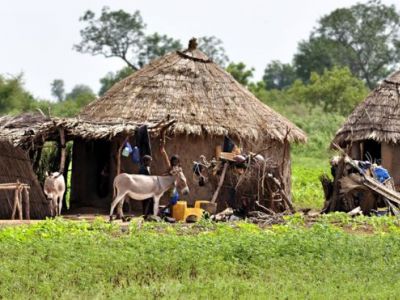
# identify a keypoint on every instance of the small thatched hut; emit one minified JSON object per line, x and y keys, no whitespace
{"x":206,"y":102}
{"x":16,"y":166}
{"x":373,"y":128}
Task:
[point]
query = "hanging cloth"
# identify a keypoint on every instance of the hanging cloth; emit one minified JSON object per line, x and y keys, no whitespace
{"x":143,"y":140}
{"x":135,"y":155}
{"x":228,"y":144}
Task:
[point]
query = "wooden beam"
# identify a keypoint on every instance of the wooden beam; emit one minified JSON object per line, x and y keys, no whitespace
{"x":63,"y":150}
{"x":220,"y":183}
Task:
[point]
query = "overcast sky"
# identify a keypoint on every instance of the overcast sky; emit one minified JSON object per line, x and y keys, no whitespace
{"x":37,"y":36}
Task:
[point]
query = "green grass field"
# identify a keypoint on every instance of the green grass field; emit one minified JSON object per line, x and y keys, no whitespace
{"x":335,"y":258}
{"x":306,"y":188}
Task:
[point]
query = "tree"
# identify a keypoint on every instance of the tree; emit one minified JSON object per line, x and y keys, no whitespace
{"x":111,"y":78}
{"x":81,"y":94}
{"x":13,"y":97}
{"x":156,"y":45}
{"x":336,"y":90}
{"x":240,"y":73}
{"x":122,"y":35}
{"x":364,"y":37}
{"x":278,"y":75}
{"x":213,"y":48}
{"x":57,"y":89}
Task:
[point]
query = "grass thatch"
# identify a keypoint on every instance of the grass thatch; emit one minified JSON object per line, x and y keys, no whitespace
{"x":200,"y":95}
{"x":15,"y":165}
{"x":29,"y":130}
{"x":377,"y":117}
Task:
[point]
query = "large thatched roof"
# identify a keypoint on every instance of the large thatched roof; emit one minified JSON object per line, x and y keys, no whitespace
{"x":201,"y":96}
{"x":15,"y":165}
{"x":377,"y":117}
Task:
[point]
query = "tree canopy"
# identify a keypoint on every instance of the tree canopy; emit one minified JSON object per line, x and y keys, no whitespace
{"x":123,"y":35}
{"x":13,"y":96}
{"x":111,"y":78}
{"x":336,"y":90}
{"x":240,"y":72}
{"x":364,"y":37}
{"x":278,"y":75}
{"x":57,"y":89}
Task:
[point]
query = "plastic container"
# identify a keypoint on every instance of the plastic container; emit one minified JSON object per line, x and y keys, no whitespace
{"x":179,"y":210}
{"x":197,"y":212}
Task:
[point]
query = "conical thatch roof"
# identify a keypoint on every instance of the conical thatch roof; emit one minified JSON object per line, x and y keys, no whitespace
{"x":377,"y":117}
{"x":201,"y":96}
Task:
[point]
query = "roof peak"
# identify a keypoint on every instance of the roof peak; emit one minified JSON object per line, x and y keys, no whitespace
{"x":192,"y":44}
{"x":193,"y":53}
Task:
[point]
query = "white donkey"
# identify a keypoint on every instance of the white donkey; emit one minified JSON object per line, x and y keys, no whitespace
{"x":54,"y":189}
{"x":141,"y":187}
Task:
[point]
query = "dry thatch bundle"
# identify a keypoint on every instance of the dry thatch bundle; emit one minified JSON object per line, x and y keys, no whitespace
{"x":204,"y":99}
{"x":15,"y":165}
{"x":377,"y":117}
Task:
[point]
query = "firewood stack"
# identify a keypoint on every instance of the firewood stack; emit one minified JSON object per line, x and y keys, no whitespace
{"x":358,"y":186}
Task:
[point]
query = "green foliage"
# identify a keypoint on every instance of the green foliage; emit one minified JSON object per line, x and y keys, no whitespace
{"x":214,"y":49}
{"x":82,"y":260}
{"x":278,"y":75}
{"x":80,"y":91}
{"x":336,"y":90}
{"x":155,"y":46}
{"x":13,"y":97}
{"x":306,"y":188}
{"x":113,"y":34}
{"x":364,"y":37}
{"x":78,"y":97}
{"x":111,"y":78}
{"x":57,"y":89}
{"x":240,"y":73}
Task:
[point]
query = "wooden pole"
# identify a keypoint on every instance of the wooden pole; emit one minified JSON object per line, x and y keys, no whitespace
{"x":20,"y":202}
{"x":63,"y":150}
{"x":221,"y":181}
{"x":119,"y":155}
{"x":26,"y":204}
{"x":14,"y":204}
{"x":37,"y":159}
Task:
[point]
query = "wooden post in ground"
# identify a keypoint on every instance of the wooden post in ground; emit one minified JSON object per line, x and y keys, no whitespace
{"x":15,"y":203}
{"x":26,"y":204}
{"x":20,"y":188}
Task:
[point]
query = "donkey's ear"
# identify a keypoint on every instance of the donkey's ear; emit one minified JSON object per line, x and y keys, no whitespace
{"x":46,"y":174}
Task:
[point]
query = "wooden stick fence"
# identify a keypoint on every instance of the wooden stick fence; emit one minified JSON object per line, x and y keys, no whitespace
{"x":21,"y":199}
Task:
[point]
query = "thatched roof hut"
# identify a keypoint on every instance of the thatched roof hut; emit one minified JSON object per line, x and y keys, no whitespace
{"x":16,"y":166}
{"x":207,"y":104}
{"x":373,"y":129}
{"x":186,"y":87}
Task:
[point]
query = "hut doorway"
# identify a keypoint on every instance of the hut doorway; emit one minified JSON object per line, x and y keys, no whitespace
{"x":372,"y":151}
{"x":91,"y":180}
